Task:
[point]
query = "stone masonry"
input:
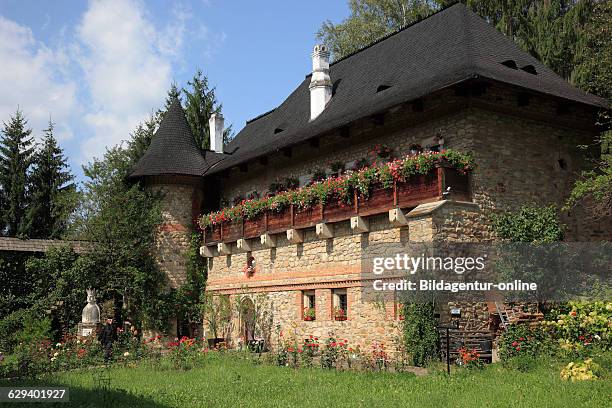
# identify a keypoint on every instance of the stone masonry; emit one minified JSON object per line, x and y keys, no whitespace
{"x":525,"y":154}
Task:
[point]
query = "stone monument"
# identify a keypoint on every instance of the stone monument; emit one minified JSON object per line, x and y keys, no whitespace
{"x":90,"y":317}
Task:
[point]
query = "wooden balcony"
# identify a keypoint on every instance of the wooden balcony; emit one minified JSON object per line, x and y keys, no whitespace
{"x":417,"y":190}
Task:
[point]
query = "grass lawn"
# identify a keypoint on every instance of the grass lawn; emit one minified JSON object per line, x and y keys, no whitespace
{"x":231,"y":382}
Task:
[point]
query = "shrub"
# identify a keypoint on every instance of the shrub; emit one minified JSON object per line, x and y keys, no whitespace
{"x":579,"y":324}
{"x":420,"y":332}
{"x":470,"y":359}
{"x":330,"y":353}
{"x":184,"y":354}
{"x":521,"y":340}
{"x":581,"y":371}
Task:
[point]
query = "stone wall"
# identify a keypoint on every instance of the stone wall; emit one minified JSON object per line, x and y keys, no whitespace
{"x":181,"y":201}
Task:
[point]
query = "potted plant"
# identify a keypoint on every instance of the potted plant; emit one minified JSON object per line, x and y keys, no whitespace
{"x":291,"y":183}
{"x":339,"y":314}
{"x":310,"y":314}
{"x":249,"y":268}
{"x":318,"y":175}
{"x":381,"y":151}
{"x":360,"y":164}
{"x":337,"y":168}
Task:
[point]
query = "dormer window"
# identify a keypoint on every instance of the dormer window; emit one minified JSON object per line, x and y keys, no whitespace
{"x":510,"y":64}
{"x":530,"y":69}
{"x":278,"y":130}
{"x":382,"y":88}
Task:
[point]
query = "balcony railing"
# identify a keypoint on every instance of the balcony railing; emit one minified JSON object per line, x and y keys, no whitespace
{"x":414,"y":191}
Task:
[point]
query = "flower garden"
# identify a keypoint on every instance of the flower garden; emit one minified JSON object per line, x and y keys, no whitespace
{"x":564,"y":360}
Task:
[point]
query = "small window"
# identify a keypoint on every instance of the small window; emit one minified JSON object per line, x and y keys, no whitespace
{"x":310,"y":311}
{"x":382,"y":88}
{"x":510,"y":64}
{"x":278,"y":130}
{"x":340,"y":304}
{"x":530,"y":69}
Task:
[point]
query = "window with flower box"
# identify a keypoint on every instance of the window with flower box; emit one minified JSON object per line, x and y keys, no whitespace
{"x":340,"y":304}
{"x":310,"y":311}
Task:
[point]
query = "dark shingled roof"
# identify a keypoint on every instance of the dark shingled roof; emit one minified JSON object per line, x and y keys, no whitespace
{"x":450,"y":46}
{"x":173,"y":149}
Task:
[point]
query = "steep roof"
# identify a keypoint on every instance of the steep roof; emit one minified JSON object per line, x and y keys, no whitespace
{"x":173,"y":149}
{"x":448,"y":47}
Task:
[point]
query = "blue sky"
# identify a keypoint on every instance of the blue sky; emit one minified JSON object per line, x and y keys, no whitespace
{"x":99,"y":67}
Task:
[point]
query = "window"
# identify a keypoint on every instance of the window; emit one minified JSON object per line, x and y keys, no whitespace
{"x":340,"y":304}
{"x":309,"y":302}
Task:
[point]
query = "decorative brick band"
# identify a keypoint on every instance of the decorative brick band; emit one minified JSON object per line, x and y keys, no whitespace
{"x":173,"y":227}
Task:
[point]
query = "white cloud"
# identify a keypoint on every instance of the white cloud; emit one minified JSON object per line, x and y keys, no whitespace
{"x":127,"y":65}
{"x":32,"y":77}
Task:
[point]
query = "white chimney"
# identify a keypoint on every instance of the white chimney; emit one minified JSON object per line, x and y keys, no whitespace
{"x":320,"y":83}
{"x":215,"y":124}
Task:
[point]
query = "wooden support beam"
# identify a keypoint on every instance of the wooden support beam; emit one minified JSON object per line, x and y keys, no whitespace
{"x":295,"y":236}
{"x":324,"y":230}
{"x":359,"y":224}
{"x":397,"y":218}
{"x":224,"y":249}
{"x":207,"y":252}
{"x":243,"y":244}
{"x":268,"y":240}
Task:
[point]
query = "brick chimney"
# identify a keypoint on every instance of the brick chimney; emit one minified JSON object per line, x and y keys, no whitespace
{"x":320,"y":83}
{"x":215,"y":123}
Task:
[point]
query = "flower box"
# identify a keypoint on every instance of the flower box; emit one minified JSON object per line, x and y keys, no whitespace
{"x":379,"y":200}
{"x":279,"y":221}
{"x":231,"y":231}
{"x":255,"y":227}
{"x":339,"y":318}
{"x":306,"y":217}
{"x":338,"y":211}
{"x":418,"y":189}
{"x":309,"y":314}
{"x":212,"y":233}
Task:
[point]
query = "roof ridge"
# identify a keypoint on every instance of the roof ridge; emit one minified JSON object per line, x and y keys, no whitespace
{"x":261,"y":115}
{"x":399,"y":30}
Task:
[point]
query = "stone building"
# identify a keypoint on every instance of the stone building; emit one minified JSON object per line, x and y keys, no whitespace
{"x":450,"y":81}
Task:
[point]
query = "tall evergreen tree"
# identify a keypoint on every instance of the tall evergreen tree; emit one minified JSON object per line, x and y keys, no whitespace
{"x":200,"y":103}
{"x":52,"y":193}
{"x":15,"y":158}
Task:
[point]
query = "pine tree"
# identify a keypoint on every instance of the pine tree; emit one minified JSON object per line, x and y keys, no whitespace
{"x":200,"y":103}
{"x":15,"y":158}
{"x":52,"y":195}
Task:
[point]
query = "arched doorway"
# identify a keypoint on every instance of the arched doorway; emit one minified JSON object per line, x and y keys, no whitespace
{"x":247,"y":320}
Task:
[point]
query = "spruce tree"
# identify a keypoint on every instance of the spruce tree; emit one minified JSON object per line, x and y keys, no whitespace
{"x":51,"y":191}
{"x":15,"y":158}
{"x":200,"y":103}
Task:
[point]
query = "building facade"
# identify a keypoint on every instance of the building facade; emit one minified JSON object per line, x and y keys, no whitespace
{"x":447,"y":82}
